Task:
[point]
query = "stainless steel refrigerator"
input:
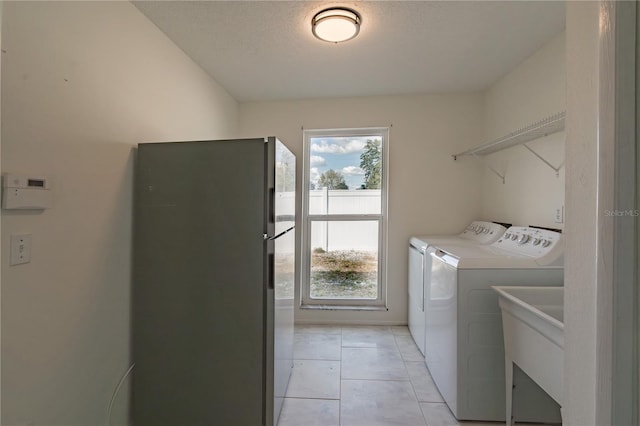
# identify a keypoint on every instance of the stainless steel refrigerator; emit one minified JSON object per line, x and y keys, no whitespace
{"x":214,"y":250}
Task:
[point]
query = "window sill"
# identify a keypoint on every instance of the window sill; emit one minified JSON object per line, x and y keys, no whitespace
{"x":344,"y":307}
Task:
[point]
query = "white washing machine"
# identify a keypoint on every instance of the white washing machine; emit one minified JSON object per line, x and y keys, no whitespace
{"x":464,"y":341}
{"x":478,"y":232}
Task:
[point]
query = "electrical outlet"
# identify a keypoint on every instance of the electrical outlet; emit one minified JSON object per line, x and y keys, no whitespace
{"x":20,"y":249}
{"x":559,"y":215}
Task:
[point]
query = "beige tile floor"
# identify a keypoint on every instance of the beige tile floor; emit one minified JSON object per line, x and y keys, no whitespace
{"x":362,"y":376}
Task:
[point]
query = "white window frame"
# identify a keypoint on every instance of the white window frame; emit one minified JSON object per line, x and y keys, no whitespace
{"x":307,"y":219}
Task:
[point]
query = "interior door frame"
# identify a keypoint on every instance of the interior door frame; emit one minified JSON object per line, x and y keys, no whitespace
{"x":619,"y":111}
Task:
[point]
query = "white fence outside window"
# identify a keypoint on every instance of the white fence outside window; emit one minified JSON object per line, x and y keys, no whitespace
{"x":344,"y":235}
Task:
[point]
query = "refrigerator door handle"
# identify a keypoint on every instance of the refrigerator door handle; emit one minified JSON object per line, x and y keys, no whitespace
{"x":272,"y":205}
{"x":270,"y":271}
{"x":273,"y":237}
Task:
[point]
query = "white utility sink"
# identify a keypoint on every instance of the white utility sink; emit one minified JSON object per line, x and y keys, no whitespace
{"x":532,"y":321}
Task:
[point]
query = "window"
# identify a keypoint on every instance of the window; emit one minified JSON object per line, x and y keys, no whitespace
{"x":344,"y":217}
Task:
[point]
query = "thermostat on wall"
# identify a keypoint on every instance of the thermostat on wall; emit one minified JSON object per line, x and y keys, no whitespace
{"x":26,"y":192}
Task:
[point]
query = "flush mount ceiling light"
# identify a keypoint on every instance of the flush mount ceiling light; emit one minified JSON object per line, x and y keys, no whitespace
{"x":336,"y":24}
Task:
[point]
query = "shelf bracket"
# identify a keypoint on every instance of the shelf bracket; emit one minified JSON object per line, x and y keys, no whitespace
{"x":541,"y":158}
{"x":495,"y":172}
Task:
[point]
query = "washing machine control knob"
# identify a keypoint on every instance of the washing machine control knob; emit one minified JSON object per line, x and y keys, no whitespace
{"x":507,"y":235}
{"x":546,"y":243}
{"x":536,"y":241}
{"x":514,"y":237}
{"x":523,"y":239}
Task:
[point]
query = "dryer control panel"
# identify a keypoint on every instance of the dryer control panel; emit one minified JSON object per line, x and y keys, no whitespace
{"x":483,"y":232}
{"x":534,"y":242}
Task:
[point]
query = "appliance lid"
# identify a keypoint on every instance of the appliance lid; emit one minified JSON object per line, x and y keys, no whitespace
{"x":497,"y":256}
{"x":477,"y":232}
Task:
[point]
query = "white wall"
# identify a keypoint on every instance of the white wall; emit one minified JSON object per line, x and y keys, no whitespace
{"x":82,"y":83}
{"x":428,"y":192}
{"x":533,"y":90}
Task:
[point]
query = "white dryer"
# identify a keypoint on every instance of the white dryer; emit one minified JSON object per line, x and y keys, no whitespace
{"x":478,"y":232}
{"x":464,"y":341}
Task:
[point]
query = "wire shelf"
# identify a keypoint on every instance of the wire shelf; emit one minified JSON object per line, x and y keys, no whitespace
{"x":544,"y":127}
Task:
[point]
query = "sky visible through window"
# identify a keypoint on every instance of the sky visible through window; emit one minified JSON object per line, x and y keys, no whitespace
{"x":341,"y":154}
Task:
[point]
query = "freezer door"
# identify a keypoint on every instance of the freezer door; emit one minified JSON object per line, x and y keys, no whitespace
{"x":285,"y":188}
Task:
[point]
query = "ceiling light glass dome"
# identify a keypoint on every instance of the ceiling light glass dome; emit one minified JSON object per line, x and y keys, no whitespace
{"x":336,"y":24}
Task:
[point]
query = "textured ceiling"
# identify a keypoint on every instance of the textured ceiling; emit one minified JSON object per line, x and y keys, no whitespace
{"x":264,"y":50}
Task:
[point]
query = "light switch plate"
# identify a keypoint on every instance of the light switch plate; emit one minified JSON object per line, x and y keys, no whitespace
{"x":20,"y":249}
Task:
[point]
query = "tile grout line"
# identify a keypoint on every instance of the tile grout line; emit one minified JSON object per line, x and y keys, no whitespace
{"x":416,"y":395}
{"x":311,"y":397}
{"x":404,"y":363}
{"x":376,"y":380}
